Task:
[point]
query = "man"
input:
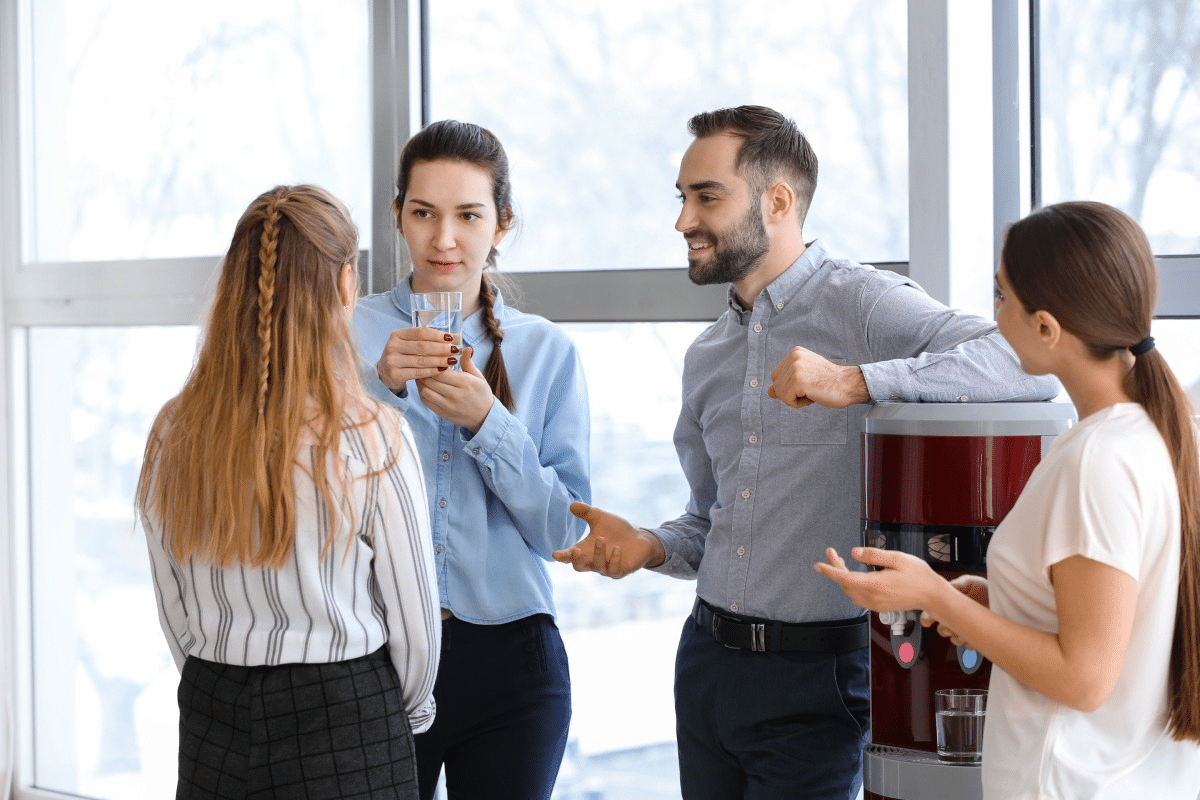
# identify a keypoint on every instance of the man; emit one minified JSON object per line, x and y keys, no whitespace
{"x":772,"y":690}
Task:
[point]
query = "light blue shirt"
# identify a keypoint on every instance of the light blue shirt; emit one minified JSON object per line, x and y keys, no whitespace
{"x":772,"y":486}
{"x":500,"y":499}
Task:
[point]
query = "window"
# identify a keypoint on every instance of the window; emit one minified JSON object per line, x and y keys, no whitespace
{"x":591,"y":100}
{"x":154,"y":124}
{"x":1119,"y":111}
{"x":104,"y":690}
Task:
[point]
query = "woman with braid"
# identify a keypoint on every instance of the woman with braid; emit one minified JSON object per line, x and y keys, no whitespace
{"x":502,"y":428}
{"x":286,"y":517}
{"x":1091,"y":608}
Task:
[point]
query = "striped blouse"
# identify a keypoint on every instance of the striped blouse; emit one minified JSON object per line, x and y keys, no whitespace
{"x":317,"y":610}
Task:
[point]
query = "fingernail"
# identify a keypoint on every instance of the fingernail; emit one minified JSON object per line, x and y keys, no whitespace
{"x":449,"y":338}
{"x":453,"y":349}
{"x":451,"y":360}
{"x":442,"y":369}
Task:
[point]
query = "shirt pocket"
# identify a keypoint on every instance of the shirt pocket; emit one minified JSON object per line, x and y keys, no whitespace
{"x":814,"y":424}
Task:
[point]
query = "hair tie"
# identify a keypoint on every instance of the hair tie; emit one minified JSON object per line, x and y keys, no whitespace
{"x":1142,"y":347}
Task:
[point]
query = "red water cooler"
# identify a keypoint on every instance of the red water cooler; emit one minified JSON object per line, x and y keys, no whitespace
{"x":938,"y":479}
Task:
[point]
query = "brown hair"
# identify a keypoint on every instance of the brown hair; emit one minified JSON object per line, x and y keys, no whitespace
{"x":772,"y":148}
{"x":1091,"y":266}
{"x":276,"y":374}
{"x":451,"y":140}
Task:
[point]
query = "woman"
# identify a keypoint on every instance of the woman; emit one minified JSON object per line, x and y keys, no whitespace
{"x":288,"y":529}
{"x":1092,"y":607}
{"x":505,"y":453}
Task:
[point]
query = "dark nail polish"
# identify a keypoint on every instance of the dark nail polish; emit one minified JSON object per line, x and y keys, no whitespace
{"x":451,"y":360}
{"x":453,"y":349}
{"x":442,"y":369}
{"x":449,"y":338}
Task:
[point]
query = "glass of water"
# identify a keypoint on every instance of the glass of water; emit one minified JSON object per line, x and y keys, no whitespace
{"x":960,"y":715}
{"x":439,"y":310}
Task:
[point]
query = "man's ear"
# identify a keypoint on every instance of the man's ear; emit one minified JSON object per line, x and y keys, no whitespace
{"x":779,"y":201}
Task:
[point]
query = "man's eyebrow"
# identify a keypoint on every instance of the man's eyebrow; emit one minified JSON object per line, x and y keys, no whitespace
{"x":701,"y":186}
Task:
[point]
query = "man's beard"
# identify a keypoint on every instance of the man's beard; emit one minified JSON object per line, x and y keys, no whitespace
{"x":736,"y":254}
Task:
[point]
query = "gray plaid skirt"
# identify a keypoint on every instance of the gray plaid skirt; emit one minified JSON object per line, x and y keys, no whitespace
{"x":304,"y":731}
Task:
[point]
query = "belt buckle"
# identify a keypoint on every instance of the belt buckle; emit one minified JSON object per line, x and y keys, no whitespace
{"x":758,"y":638}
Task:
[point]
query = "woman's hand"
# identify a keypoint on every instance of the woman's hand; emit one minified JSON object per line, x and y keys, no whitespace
{"x":459,"y":396}
{"x":974,"y":587}
{"x":415,"y":353}
{"x":903,"y":583}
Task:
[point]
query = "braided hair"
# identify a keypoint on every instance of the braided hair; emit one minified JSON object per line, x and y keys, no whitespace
{"x":451,"y":140}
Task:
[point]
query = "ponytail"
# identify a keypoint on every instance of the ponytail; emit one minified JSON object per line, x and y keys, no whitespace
{"x":1152,"y":384}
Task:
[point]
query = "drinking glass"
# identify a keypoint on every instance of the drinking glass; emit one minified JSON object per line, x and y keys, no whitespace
{"x":439,"y":310}
{"x":960,"y":715}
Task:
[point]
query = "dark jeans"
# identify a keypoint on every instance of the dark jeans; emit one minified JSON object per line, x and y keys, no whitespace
{"x":503,"y":707}
{"x":764,"y":726}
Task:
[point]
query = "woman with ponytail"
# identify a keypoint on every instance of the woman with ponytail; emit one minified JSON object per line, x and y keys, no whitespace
{"x":502,"y":427}
{"x":1091,"y":609}
{"x":286,"y":518}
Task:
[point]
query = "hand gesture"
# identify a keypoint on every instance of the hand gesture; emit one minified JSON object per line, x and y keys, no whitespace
{"x":904,"y":583}
{"x":413,"y":353}
{"x":803,"y":378}
{"x":613,"y":547}
{"x":459,"y":396}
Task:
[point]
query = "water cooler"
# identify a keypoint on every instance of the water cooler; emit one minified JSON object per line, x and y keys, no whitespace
{"x":938,"y":479}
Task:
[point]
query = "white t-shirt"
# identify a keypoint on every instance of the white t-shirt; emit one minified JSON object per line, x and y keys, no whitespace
{"x":1105,"y":490}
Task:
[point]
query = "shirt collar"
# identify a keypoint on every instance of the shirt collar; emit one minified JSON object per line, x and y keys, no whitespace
{"x":781,"y":290}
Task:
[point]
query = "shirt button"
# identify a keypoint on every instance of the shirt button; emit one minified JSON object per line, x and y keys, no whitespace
{"x":445,"y":456}
{"x":753,"y":382}
{"x":745,"y":494}
{"x":963,"y":399}
{"x":753,"y":439}
{"x":741,"y":551}
{"x":439,"y":548}
{"x":758,"y":328}
{"x":779,"y":305}
{"x":441,"y":504}
{"x":734,"y":607}
{"x":474,"y":451}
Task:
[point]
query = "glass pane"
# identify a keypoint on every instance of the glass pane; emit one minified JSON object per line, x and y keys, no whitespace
{"x":105,"y":716}
{"x":155,"y":124}
{"x":1120,"y":111}
{"x":1176,"y":339}
{"x":621,"y":636}
{"x":592,"y":100}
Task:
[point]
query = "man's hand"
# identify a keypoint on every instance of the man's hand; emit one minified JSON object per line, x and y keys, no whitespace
{"x":803,"y":378}
{"x":613,"y":547}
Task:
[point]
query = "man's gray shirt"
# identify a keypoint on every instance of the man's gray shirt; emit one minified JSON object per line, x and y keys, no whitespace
{"x":773,"y":486}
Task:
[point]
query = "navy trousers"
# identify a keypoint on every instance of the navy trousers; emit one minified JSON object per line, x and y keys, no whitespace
{"x":763,"y":726}
{"x":503,"y":697}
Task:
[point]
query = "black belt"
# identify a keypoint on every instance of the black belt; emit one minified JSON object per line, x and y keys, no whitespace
{"x":836,"y":636}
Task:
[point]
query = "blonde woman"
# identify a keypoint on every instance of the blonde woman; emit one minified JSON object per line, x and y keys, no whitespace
{"x":288,"y":529}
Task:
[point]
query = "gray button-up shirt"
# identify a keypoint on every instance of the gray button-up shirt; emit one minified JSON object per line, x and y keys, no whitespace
{"x":773,"y":486}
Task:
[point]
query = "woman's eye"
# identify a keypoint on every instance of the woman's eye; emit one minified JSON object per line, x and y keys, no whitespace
{"x":470,"y":216}
{"x":421,"y":213}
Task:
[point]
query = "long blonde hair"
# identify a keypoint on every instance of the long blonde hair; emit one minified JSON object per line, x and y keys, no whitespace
{"x":275,"y":375}
{"x":1091,"y":266}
